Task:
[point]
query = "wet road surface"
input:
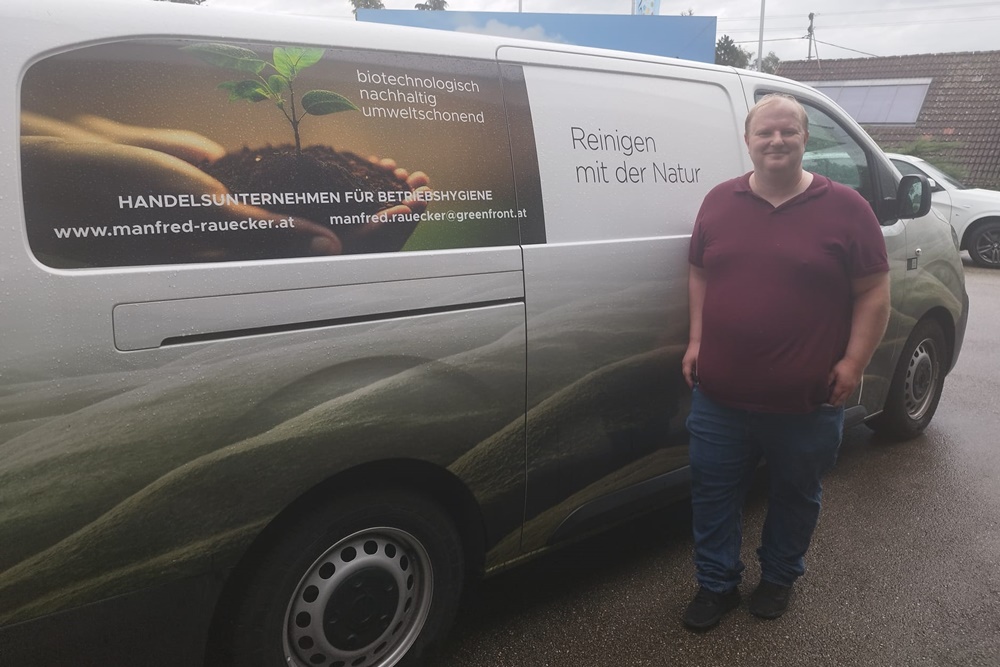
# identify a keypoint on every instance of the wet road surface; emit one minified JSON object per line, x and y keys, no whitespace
{"x":904,"y":569}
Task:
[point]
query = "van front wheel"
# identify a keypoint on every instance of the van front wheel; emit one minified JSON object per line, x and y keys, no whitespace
{"x":916,"y":384}
{"x":372,"y":580}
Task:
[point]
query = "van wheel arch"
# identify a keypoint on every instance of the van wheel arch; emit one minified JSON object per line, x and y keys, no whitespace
{"x":918,"y":378}
{"x":404,"y":482}
{"x":944,"y":320}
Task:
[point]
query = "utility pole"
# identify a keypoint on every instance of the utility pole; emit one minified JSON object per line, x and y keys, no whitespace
{"x":811,"y":34}
{"x":760,"y":39}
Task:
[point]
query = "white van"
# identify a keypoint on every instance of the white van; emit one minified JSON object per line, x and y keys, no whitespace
{"x":305,"y":320}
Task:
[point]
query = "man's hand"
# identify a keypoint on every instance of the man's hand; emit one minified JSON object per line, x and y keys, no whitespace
{"x":844,"y":379}
{"x":690,"y":364}
{"x":696,"y":301}
{"x":869,"y":318}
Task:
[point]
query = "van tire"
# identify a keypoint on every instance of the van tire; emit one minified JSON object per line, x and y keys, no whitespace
{"x":376,"y":575}
{"x":916,"y":384}
{"x":984,"y":244}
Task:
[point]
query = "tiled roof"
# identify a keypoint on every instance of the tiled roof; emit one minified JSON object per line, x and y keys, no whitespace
{"x":962,"y":106}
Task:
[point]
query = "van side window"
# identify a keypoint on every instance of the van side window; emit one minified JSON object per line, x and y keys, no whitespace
{"x":832,"y":152}
{"x":390,"y":153}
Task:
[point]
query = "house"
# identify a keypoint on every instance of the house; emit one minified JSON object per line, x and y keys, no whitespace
{"x":950,"y":102}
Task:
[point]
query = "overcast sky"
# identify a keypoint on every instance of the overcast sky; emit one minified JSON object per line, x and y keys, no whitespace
{"x":843,"y":28}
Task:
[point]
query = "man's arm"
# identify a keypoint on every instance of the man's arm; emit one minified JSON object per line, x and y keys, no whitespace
{"x":696,"y":300}
{"x":868,"y":322}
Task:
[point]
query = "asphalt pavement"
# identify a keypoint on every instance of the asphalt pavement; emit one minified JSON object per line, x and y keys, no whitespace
{"x":904,"y":570}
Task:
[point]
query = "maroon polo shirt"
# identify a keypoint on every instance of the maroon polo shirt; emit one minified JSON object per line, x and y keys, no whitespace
{"x":778,"y":299}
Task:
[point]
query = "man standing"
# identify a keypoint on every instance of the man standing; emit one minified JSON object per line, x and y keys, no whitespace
{"x":789,"y":296}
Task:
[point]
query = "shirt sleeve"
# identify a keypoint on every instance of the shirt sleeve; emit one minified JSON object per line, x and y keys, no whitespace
{"x":867,"y":254}
{"x":696,"y":250}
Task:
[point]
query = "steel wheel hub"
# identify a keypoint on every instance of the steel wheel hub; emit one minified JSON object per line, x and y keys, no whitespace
{"x":921,"y":380}
{"x":363,"y":602}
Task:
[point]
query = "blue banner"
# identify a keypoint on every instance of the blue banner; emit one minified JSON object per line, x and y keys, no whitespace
{"x":688,"y":37}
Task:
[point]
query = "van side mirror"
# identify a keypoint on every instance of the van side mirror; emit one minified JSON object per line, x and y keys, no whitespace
{"x":913,"y":197}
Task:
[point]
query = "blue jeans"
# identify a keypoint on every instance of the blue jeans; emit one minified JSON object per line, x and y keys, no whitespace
{"x":727,"y":445}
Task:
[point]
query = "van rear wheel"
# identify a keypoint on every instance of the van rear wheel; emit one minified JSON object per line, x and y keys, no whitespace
{"x":916,"y":384}
{"x":373,"y":579}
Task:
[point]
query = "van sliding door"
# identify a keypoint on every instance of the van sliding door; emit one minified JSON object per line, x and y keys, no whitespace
{"x":623,"y":162}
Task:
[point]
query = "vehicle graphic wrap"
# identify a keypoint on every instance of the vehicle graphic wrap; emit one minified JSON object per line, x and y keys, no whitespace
{"x":165,"y":152}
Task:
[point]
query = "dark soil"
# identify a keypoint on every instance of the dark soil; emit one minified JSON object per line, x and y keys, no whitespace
{"x":319,"y":169}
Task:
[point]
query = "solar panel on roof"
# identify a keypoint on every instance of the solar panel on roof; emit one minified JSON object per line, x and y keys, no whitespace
{"x":874,"y":102}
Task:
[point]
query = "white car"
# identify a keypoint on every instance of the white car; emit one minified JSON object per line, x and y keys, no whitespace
{"x":974,"y":213}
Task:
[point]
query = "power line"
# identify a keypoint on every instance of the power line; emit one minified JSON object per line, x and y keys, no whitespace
{"x":855,"y":26}
{"x":795,"y":39}
{"x":864,"y":53}
{"x":776,"y":39}
{"x":909,"y":7}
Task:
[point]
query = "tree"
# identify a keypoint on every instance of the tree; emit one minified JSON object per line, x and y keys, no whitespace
{"x":433,"y":5}
{"x":689,"y":12}
{"x":728,"y":52}
{"x":366,"y":4}
{"x":770,"y":63}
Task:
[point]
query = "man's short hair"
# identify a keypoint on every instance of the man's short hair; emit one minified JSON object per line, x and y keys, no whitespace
{"x":771,"y":98}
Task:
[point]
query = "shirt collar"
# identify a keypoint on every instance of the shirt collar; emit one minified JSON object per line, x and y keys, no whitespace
{"x":819,"y":186}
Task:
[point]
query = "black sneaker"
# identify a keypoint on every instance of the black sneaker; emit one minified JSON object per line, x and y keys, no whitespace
{"x":707,"y":608}
{"x":769,"y":600}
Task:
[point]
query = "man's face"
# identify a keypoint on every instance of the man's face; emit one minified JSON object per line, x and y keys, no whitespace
{"x":777,"y":139}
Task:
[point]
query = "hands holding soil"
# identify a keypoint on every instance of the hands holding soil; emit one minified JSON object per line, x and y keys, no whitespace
{"x":75,"y":173}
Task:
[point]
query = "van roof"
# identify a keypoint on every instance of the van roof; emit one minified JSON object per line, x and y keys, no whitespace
{"x":101,"y":20}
